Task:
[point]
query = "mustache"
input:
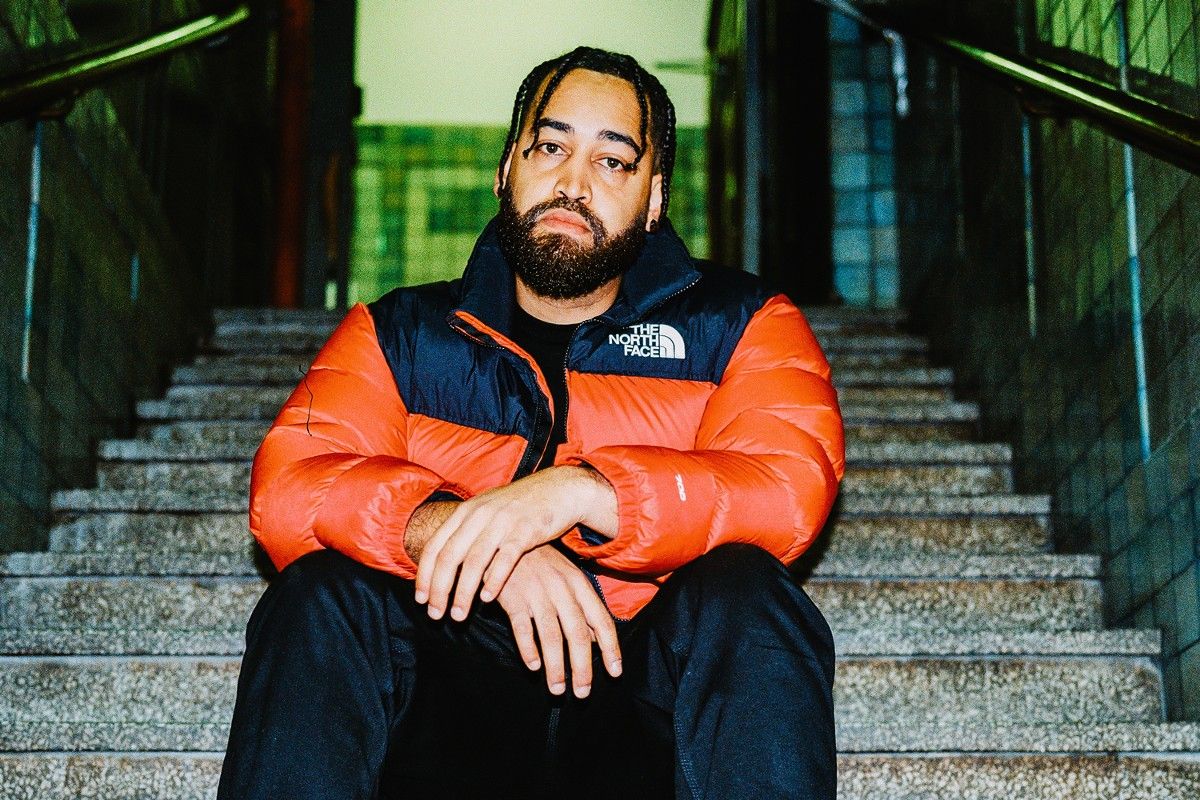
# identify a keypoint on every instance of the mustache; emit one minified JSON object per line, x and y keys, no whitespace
{"x":566,"y":204}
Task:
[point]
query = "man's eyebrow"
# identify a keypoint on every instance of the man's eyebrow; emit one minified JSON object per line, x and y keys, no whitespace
{"x":607,"y":135}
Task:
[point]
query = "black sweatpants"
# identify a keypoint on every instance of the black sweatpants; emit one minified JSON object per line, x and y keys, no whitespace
{"x":349,"y":690}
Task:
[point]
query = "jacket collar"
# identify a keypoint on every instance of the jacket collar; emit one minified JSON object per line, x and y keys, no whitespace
{"x":663,"y":269}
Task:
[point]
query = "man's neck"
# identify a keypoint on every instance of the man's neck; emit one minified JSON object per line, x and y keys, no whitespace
{"x":571,"y":311}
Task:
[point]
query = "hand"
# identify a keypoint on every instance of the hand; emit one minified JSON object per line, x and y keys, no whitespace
{"x":547,"y":592}
{"x":485,"y":537}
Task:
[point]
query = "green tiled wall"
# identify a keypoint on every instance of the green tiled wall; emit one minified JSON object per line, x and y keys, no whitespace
{"x":1164,"y":43}
{"x":424,"y":193}
{"x":864,"y":200}
{"x":1065,"y":391}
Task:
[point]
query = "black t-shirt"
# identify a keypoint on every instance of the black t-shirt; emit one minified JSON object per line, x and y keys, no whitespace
{"x":547,"y":343}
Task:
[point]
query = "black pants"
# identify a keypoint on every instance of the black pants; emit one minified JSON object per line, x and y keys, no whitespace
{"x":349,"y":690}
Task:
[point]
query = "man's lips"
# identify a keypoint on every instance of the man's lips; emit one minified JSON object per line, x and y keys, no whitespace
{"x":565,"y":220}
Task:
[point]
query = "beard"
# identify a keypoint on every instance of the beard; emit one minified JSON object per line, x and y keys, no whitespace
{"x":557,"y":266}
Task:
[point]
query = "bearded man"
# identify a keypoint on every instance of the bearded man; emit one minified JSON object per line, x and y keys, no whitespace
{"x":585,"y":463}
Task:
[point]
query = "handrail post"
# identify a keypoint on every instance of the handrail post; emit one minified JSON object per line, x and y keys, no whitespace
{"x":1133,"y":247}
{"x":31,"y":245}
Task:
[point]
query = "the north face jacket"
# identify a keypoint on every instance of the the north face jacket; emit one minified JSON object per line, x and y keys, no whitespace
{"x":703,"y":400}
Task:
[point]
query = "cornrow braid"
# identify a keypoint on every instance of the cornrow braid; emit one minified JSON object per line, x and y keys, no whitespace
{"x":657,"y":112}
{"x":561,"y":69}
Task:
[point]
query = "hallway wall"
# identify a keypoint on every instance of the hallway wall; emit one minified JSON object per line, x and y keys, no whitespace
{"x":1048,"y":345}
{"x":151,"y":204}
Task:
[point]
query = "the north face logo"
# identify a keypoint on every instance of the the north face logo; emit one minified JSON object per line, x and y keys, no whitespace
{"x":650,"y":340}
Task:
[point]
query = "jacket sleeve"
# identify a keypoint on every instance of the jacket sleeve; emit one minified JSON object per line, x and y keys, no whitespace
{"x":768,"y":458}
{"x":333,"y":469}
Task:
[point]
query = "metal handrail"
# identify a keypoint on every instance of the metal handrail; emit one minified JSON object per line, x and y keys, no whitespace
{"x":34,"y":90}
{"x":1151,"y":126}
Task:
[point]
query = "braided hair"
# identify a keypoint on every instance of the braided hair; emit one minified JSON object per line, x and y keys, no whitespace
{"x":657,"y":111}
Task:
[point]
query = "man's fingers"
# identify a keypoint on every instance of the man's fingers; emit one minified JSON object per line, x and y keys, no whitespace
{"x":603,"y":629}
{"x":550,"y":639}
{"x":429,"y":555}
{"x":449,"y":559}
{"x":477,"y":559}
{"x":522,"y":627}
{"x":505,"y":561}
{"x":579,"y":645}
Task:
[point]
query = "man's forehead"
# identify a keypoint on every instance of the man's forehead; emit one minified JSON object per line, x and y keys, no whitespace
{"x":595,"y":95}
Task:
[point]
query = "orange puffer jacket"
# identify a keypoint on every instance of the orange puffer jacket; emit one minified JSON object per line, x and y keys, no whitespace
{"x":704,"y":401}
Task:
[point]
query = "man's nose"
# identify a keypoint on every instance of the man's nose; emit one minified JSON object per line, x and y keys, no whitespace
{"x":573,"y":182}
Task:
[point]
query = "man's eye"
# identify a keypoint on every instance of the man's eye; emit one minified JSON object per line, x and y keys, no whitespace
{"x":550,"y":148}
{"x":614,"y":164}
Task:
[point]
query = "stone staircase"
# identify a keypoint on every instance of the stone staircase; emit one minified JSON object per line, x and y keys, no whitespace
{"x":973,"y":663}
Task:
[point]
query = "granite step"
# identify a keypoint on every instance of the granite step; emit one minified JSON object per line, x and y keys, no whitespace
{"x":850,"y":505}
{"x":850,"y":602}
{"x":885,"y":536}
{"x":202,"y":642}
{"x":231,"y":372}
{"x":845,"y":317}
{"x":817,"y":316}
{"x":867,"y":776}
{"x":970,"y":479}
{"x":110,"y":776}
{"x":152,"y":534}
{"x":250,"y":404}
{"x":857,"y":453}
{"x":831,"y":565}
{"x":1029,"y":777}
{"x":285,"y":338}
{"x":224,"y":395}
{"x":293,"y":365}
{"x":204,"y":432}
{"x":1155,"y":740}
{"x":84,"y":702}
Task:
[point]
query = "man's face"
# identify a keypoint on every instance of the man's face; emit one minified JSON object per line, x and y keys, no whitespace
{"x":574,"y":215}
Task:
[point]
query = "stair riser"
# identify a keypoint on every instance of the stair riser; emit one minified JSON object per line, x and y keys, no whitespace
{"x":817,"y":316}
{"x":152,"y":533}
{"x":294,"y":364}
{"x":220,"y":533}
{"x":224,"y":604}
{"x":250,"y":433}
{"x":950,"y":537}
{"x":110,"y":776}
{"x":858,"y":454}
{"x":951,"y":480}
{"x":257,"y":405}
{"x":287,"y":373}
{"x":894,"y":692}
{"x":966,"y":480}
{"x":884,"y":777}
{"x":961,"y":606}
{"x":860,"y":777}
{"x":307,"y":340}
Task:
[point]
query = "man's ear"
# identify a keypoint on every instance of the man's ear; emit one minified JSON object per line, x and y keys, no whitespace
{"x":654,"y":207}
{"x":502,"y":172}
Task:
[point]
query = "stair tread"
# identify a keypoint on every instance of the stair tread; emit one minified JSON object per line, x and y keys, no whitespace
{"x":900,"y":411}
{"x":896,"y":566}
{"x":950,"y":453}
{"x":1064,"y":741}
{"x":852,"y":644}
{"x":850,"y":504}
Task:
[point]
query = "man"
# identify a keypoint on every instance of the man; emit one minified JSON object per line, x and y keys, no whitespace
{"x":584,"y":441}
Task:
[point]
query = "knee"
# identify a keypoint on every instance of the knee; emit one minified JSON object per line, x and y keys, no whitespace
{"x":747,"y":590}
{"x":738,"y":570}
{"x":321,"y":584}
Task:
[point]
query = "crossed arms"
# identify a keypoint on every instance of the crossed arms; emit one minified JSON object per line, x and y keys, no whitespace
{"x":335,"y":471}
